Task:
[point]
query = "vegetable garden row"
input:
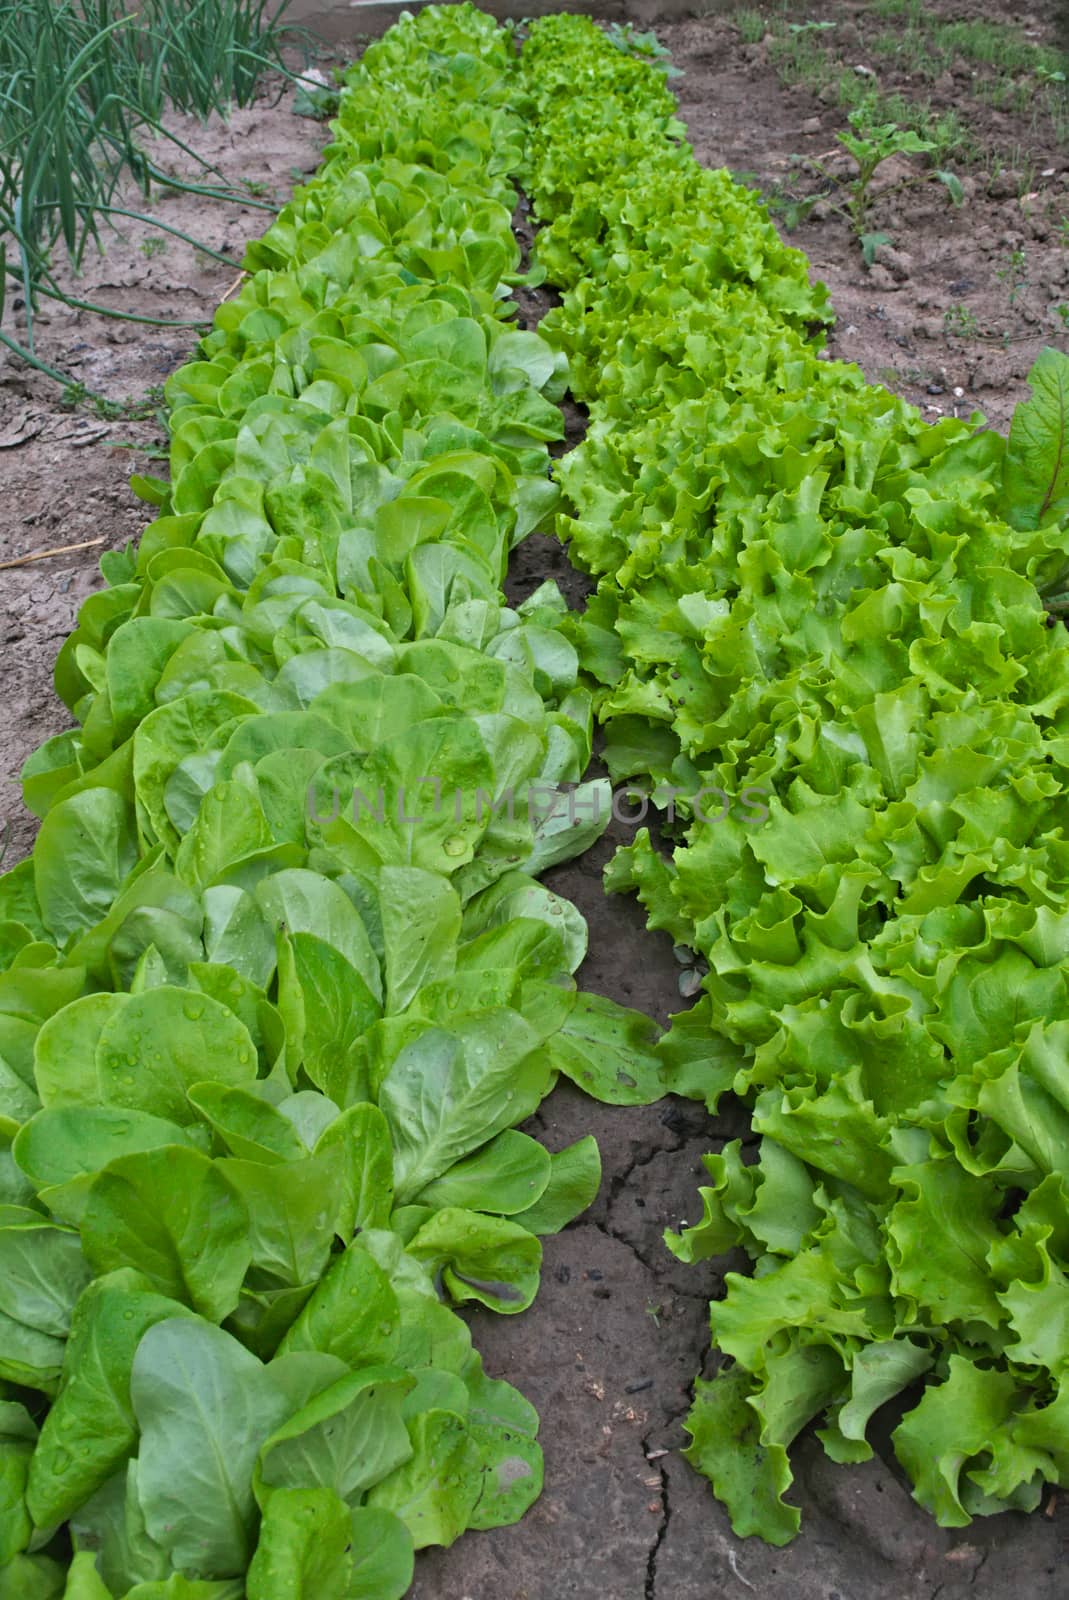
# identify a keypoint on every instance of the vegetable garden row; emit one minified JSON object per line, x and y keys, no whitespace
{"x":806,"y":589}
{"x":279,"y":982}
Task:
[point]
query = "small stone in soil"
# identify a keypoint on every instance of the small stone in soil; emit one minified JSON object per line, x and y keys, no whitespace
{"x":638,"y":1386}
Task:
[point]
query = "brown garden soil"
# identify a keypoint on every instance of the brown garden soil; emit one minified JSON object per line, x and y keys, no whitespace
{"x":610,"y":1349}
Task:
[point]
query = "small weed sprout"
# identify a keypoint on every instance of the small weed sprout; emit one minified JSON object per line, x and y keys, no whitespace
{"x":870,"y":144}
{"x":751,"y":25}
{"x":148,"y":407}
{"x":959,"y":321}
{"x":1014,"y":275}
{"x":153,"y":247}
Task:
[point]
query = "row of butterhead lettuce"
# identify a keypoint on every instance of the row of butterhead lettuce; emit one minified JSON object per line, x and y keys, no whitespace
{"x":278,"y":981}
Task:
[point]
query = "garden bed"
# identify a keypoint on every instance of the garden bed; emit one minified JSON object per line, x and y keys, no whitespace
{"x":609,"y":1350}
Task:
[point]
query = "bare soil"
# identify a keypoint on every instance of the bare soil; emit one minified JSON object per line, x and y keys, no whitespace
{"x":609,"y":1351}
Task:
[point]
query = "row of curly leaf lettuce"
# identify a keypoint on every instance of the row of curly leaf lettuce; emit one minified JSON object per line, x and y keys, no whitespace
{"x":263,"y":1051}
{"x":805,"y":588}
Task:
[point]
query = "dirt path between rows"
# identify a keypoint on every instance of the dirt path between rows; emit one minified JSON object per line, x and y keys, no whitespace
{"x":610,"y":1348}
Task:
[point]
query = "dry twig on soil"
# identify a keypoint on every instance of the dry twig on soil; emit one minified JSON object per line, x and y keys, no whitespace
{"x":43,"y":555}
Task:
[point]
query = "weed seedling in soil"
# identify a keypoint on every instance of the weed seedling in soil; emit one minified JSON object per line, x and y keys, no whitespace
{"x":898,"y":8}
{"x":751,"y":25}
{"x":961,"y":322}
{"x":153,"y":247}
{"x":789,"y":208}
{"x":871,"y":144}
{"x":798,"y":58}
{"x":792,"y":210}
{"x":133,"y":409}
{"x":1015,"y":274}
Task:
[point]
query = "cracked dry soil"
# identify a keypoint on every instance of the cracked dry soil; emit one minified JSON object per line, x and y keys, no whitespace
{"x":609,"y":1351}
